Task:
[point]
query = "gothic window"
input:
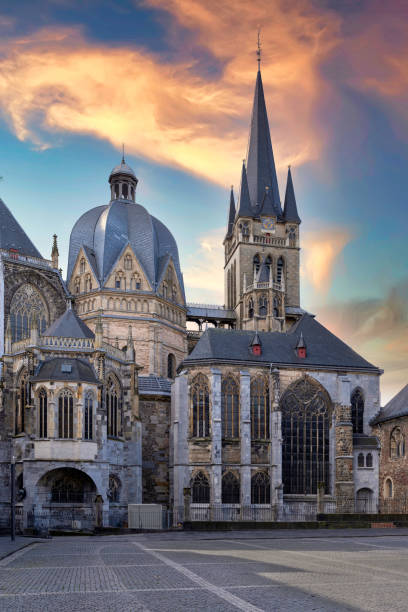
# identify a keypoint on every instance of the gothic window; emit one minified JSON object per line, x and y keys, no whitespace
{"x":171,"y":366}
{"x":117,"y":282}
{"x":88,"y":416}
{"x":114,"y":407}
{"x":230,"y":408}
{"x":200,"y":407}
{"x":42,"y":414}
{"x":306,"y":415}
{"x":263,"y":306}
{"x":128,"y":262}
{"x":136,"y":282}
{"x":65,"y":414}
{"x":275,"y":306}
{"x":357,"y":410}
{"x":369,"y":460}
{"x":257,"y":265}
{"x":360,"y":460}
{"x":259,"y":408}
{"x":260,"y":489}
{"x":27,"y":309}
{"x":279,"y":270}
{"x":397,"y":443}
{"x":268,"y":264}
{"x":251,"y":308}
{"x":230,"y":490}
{"x":200,"y":489}
{"x":388,"y":488}
{"x":23,"y":399}
{"x":82,"y":266}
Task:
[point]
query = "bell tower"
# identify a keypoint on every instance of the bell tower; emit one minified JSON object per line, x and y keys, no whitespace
{"x":262,"y":240}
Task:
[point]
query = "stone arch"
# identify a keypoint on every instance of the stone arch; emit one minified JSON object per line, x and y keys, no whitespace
{"x":66,"y":485}
{"x":27,"y":308}
{"x":364,"y":500}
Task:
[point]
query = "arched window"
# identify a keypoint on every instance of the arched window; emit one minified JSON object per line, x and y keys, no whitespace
{"x":275,"y":306}
{"x":27,"y":309}
{"x":23,"y":399}
{"x":42,"y":414}
{"x":260,"y":408}
{"x":397,"y":443}
{"x":263,"y":306}
{"x":114,"y":407}
{"x":268,"y":264}
{"x":137,"y":283}
{"x":369,"y":460}
{"x":118,"y":282}
{"x":279,"y":270}
{"x":65,"y":414}
{"x":230,"y":408}
{"x":257,"y":265}
{"x":88,"y":416}
{"x":200,"y":407}
{"x":171,"y":366}
{"x":77,"y":285}
{"x":250,"y":308}
{"x":357,"y":411}
{"x":200,"y":489}
{"x":128,"y":262}
{"x":306,"y":412}
{"x":360,"y":460}
{"x":230,"y":493}
{"x":388,"y":488}
{"x":82,"y":266}
{"x":260,"y":489}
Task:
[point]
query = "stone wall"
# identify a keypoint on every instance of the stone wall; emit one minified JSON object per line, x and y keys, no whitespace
{"x":394,"y":468}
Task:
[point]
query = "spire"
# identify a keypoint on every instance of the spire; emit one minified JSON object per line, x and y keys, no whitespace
{"x":244,"y":209}
{"x":231,"y":213}
{"x":290,"y":212}
{"x":54,"y":252}
{"x":261,"y":165}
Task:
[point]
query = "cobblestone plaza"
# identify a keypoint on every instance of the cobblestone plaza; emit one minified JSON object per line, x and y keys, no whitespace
{"x":293,"y":570}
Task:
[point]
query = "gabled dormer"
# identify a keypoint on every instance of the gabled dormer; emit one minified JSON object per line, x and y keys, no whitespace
{"x":84,"y":276}
{"x":127,"y":273}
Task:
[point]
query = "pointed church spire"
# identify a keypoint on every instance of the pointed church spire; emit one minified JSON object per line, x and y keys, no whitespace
{"x":260,"y":162}
{"x":54,"y":252}
{"x":231,"y":213}
{"x":290,"y":212}
{"x":244,"y":208}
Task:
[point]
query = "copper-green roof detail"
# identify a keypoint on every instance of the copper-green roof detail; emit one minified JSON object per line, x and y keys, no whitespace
{"x":290,"y":212}
{"x":244,"y":206}
{"x":261,"y":169}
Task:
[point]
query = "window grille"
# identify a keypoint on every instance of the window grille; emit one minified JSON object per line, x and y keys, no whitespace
{"x":200,"y":490}
{"x":65,"y":415}
{"x":306,"y":411}
{"x":260,"y":489}
{"x":230,"y":407}
{"x":357,"y":411}
{"x":260,"y":408}
{"x":42,"y":414}
{"x":230,"y":493}
{"x":200,"y":407}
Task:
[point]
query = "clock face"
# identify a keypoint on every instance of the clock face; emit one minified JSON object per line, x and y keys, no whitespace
{"x":268,"y":224}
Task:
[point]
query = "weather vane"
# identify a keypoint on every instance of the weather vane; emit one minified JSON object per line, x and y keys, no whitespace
{"x":258,"y":51}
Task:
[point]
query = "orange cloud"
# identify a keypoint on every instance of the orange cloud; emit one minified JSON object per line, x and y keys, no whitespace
{"x":56,"y":81}
{"x":203,"y":272}
{"x":320,"y":251}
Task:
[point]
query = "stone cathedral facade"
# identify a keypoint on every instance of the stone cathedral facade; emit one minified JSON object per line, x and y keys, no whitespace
{"x":107,"y":399}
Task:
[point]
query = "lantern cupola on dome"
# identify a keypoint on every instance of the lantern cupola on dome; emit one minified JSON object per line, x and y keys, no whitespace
{"x":123,"y":182}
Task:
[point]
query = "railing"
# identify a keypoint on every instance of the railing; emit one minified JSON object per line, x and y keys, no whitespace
{"x":369,"y":505}
{"x":193,"y":333}
{"x":270,"y":240}
{"x":253,"y":513}
{"x":66,"y":343}
{"x":15,"y":256}
{"x":208,"y":306}
{"x":267,"y":285}
{"x":20,"y":345}
{"x":113,"y":351}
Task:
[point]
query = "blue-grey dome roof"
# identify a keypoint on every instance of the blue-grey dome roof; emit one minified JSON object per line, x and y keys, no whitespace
{"x":105,"y":231}
{"x":123,"y":168}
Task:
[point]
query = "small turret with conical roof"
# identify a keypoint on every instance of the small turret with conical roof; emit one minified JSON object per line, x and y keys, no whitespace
{"x":244,"y":205}
{"x":231,"y":214}
{"x":290,"y":212}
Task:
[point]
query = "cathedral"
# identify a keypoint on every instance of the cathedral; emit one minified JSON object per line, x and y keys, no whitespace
{"x":109,"y":397}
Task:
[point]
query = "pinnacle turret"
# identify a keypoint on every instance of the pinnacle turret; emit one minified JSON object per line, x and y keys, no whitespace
{"x":231,"y":214}
{"x":290,"y":212}
{"x":244,"y":208}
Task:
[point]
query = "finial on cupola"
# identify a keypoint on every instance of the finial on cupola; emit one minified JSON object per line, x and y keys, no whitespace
{"x":301,"y":347}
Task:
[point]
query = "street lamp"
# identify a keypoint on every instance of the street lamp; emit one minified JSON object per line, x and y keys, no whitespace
{"x":12,"y":497}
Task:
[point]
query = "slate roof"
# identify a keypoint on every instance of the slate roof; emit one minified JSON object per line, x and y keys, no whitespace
{"x":396,"y":407}
{"x":290,"y":212}
{"x":65,"y":369}
{"x":154,"y":385}
{"x":231,"y":214}
{"x":12,"y":235}
{"x":69,"y":325}
{"x":244,"y":205}
{"x":324,"y":349}
{"x":363,"y":441}
{"x":123,"y":168}
{"x":261,"y":171}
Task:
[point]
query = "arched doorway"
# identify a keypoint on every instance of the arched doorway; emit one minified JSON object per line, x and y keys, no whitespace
{"x":364,"y":500}
{"x":67,"y":498}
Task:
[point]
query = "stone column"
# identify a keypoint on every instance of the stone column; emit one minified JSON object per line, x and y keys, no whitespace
{"x":180,"y":419}
{"x":344,"y":488}
{"x":216,"y":435}
{"x":276,"y":440}
{"x":245,"y":427}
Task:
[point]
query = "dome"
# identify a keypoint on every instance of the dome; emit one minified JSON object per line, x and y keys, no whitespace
{"x":122,"y":168}
{"x":105,"y":231}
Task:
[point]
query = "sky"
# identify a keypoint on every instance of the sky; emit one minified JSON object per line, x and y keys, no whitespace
{"x":174,"y":81}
